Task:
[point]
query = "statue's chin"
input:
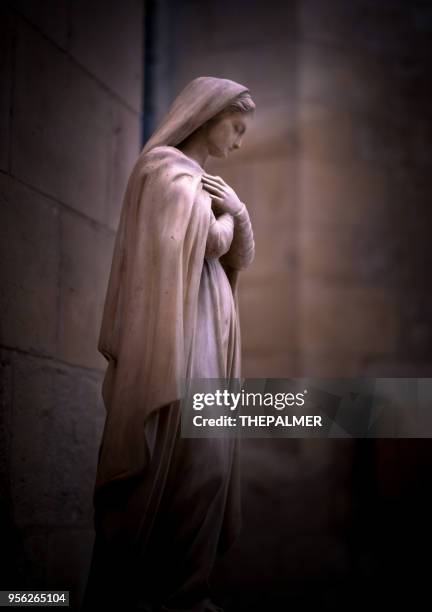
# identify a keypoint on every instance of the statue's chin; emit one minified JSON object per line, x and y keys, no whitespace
{"x":220,"y":153}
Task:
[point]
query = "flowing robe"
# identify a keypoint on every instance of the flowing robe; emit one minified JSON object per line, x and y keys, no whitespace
{"x":158,"y":529}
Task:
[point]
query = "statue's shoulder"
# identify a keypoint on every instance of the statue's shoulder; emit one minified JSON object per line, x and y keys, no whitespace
{"x":165,"y":152}
{"x":167,"y":165}
{"x":162,"y":150}
{"x":167,"y":159}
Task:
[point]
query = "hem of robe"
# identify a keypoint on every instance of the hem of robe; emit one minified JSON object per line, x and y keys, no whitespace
{"x":126,"y":507}
{"x":124,"y":517}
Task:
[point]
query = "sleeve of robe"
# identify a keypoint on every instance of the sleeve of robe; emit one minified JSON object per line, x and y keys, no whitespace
{"x":220,"y":235}
{"x":241,"y":251}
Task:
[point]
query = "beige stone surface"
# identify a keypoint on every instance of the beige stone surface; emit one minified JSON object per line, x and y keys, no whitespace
{"x":30,"y":272}
{"x":68,"y":139}
{"x":257,"y":68}
{"x":340,"y":318}
{"x":121,"y":152}
{"x":326,"y":135}
{"x":275,"y":192}
{"x":6,"y":398}
{"x":241,"y":24}
{"x":68,"y":552}
{"x":271,"y":364}
{"x":330,"y":363}
{"x":330,"y":23}
{"x":54,"y":443}
{"x":51,"y":18}
{"x":388,"y":368}
{"x":354,"y":79}
{"x":73,"y":142}
{"x":268,"y":311}
{"x":336,"y":197}
{"x":361,"y":253}
{"x":7,"y":28}
{"x":106,"y":38}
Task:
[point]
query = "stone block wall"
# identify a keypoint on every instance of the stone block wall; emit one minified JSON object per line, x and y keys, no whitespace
{"x":364,"y":185}
{"x":70,"y":131}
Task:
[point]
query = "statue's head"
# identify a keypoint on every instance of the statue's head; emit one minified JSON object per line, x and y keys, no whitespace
{"x":224,"y":132}
{"x":209,"y":111}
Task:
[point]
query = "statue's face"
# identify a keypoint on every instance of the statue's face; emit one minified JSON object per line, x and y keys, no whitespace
{"x":226,"y":133}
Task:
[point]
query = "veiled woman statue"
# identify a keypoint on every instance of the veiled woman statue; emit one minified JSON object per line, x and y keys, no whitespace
{"x":166,"y":505}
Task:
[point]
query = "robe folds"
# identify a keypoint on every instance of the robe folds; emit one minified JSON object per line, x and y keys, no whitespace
{"x":150,"y":307}
{"x":171,"y":312}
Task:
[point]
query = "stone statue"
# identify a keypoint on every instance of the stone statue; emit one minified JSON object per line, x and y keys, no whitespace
{"x":165,"y":506}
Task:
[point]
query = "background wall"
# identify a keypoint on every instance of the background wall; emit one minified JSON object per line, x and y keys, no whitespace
{"x":336,"y":176}
{"x":70,"y":113}
{"x":335,"y":173}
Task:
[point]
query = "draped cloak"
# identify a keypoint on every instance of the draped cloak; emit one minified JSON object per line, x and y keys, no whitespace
{"x":149,"y":319}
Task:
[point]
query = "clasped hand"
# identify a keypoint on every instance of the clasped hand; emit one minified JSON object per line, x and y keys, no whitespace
{"x":223,"y":196}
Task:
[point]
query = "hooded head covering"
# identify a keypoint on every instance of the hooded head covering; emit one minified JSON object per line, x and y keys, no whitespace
{"x":202,"y":99}
{"x":150,"y":306}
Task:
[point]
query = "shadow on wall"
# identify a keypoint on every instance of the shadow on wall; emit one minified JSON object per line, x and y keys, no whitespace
{"x":70,"y":115}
